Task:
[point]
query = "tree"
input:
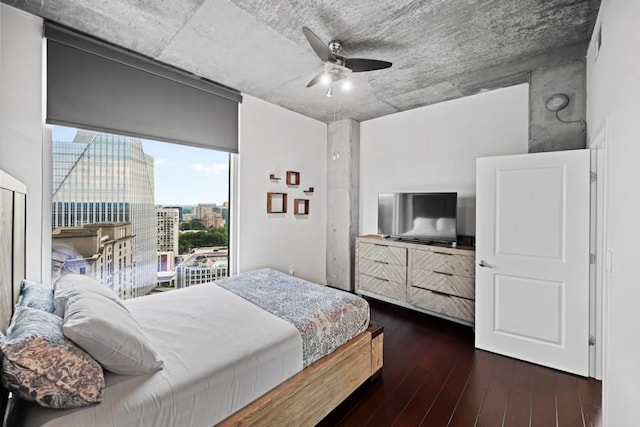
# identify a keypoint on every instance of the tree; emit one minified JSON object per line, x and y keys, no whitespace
{"x":220,"y":236}
{"x":194,"y":224}
{"x":196,"y":238}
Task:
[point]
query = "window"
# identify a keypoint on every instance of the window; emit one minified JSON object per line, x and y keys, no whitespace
{"x":121,"y":204}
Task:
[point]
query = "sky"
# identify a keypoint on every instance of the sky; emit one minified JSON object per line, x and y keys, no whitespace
{"x":183,"y":175}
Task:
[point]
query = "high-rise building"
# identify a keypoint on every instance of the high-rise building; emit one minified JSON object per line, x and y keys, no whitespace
{"x":168,"y":244}
{"x":211,"y":214}
{"x":202,"y":209}
{"x":166,"y":269}
{"x":179,"y":208}
{"x":168,"y":229}
{"x":103,"y":178}
{"x":224,"y":212}
{"x":212,"y":219}
{"x":101,"y":251}
{"x":203,"y":265}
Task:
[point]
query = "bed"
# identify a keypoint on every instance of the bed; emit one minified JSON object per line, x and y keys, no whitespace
{"x":236,"y":357}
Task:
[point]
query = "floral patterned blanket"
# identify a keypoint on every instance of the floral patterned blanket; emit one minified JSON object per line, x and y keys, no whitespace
{"x":325,"y":317}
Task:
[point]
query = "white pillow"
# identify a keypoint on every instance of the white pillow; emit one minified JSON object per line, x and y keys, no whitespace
{"x":107,"y":331}
{"x":71,"y":285}
{"x":446,"y":224}
{"x":424,"y":224}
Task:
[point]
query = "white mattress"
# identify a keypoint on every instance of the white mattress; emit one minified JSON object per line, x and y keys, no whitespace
{"x":220,"y":353}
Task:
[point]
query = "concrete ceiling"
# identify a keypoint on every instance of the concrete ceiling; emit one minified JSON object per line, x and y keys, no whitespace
{"x":440,"y":49}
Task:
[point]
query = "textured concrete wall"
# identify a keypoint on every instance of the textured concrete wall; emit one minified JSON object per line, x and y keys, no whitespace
{"x":546,"y":133}
{"x":343,"y":190}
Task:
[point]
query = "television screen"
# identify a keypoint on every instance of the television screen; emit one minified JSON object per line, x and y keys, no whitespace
{"x":429,"y":217}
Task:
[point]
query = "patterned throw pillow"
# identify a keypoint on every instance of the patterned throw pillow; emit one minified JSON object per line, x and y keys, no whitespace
{"x":35,"y":295}
{"x":41,"y":365}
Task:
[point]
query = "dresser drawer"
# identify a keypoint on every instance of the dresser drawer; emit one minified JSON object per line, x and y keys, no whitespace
{"x":449,"y":305}
{"x":387,"y":288}
{"x":383,"y":253}
{"x":383,"y":270}
{"x":443,"y":262}
{"x":461,"y":286}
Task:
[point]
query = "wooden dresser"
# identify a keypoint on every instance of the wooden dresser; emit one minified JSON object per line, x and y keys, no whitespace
{"x":435,"y":279}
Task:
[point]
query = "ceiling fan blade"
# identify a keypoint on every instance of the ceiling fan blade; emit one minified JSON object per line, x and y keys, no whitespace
{"x":314,"y":81}
{"x":358,"y":65}
{"x":318,"y":46}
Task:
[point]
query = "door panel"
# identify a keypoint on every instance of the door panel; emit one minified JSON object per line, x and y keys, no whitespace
{"x":520,"y":298}
{"x":542,"y":206}
{"x":532,"y":247}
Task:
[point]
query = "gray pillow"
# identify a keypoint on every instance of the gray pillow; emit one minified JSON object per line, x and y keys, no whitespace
{"x":41,"y":365}
{"x":108,"y":332}
{"x":71,"y":285}
{"x":35,"y":295}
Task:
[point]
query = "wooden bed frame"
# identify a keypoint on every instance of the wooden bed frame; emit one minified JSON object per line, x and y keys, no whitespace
{"x":306,"y":398}
{"x":303,"y":400}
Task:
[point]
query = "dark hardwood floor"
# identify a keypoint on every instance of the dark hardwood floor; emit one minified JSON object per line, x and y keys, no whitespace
{"x":433,"y":376}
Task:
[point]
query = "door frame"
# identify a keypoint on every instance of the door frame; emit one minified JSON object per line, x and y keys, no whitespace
{"x":598,"y":270}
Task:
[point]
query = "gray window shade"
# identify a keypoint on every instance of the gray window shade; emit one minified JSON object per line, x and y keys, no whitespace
{"x":94,"y":85}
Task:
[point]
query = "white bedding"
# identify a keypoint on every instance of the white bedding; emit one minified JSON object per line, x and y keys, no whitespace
{"x":243,"y":352}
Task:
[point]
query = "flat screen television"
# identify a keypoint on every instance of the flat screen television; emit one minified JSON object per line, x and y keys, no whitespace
{"x":423,"y":217}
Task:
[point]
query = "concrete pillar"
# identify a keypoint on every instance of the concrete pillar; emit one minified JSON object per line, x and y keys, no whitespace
{"x":343,"y":187}
{"x":546,"y":132}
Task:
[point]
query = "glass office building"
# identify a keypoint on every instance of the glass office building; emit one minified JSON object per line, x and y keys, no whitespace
{"x":103,"y":178}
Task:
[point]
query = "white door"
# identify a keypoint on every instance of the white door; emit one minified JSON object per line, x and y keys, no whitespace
{"x":532,"y":258}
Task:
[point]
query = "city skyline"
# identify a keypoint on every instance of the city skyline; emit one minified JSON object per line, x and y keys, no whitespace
{"x":183,"y":175}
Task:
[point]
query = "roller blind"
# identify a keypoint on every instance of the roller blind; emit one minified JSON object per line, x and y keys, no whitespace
{"x":94,"y":85}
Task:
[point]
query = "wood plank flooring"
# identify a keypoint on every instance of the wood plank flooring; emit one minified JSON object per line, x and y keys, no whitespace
{"x":433,"y":376}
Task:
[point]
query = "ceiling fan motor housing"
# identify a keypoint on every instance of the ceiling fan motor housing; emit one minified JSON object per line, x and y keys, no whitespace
{"x":335,"y":46}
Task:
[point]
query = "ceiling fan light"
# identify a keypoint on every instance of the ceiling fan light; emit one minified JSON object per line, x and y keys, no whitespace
{"x":325,"y":79}
{"x":330,"y":91}
{"x":347,"y":85}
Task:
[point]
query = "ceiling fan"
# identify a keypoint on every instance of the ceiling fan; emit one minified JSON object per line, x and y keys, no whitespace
{"x":337,"y":67}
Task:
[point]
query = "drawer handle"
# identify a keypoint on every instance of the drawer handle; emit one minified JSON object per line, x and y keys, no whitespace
{"x":444,"y":274}
{"x":441,"y":253}
{"x":384,"y":280}
{"x":440,"y":293}
{"x":378,"y":244}
{"x":382,"y":262}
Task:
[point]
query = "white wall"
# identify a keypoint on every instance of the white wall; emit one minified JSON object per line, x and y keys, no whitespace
{"x":613,"y":88}
{"x":434,"y":148}
{"x":274,"y":140}
{"x":21,"y":130}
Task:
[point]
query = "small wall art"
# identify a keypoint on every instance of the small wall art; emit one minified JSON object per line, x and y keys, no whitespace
{"x":301,"y":206}
{"x":293,"y":178}
{"x":276,"y":202}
